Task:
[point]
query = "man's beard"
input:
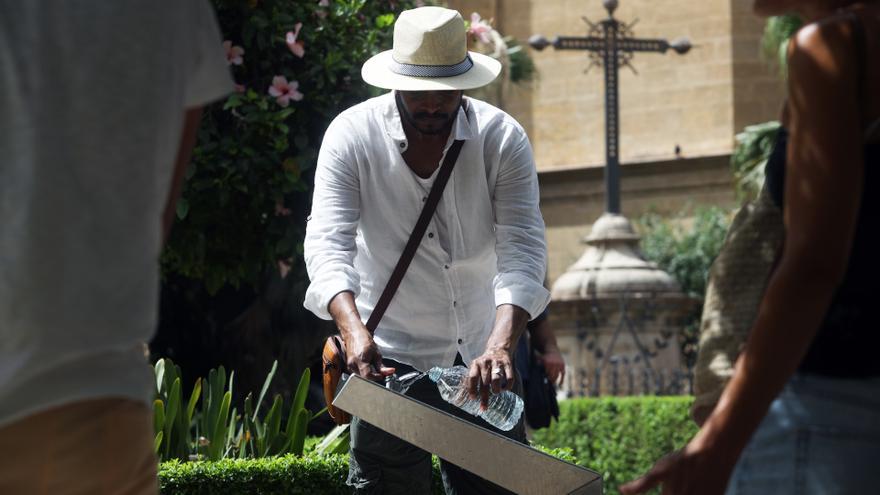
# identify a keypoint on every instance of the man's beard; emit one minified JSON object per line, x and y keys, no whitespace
{"x":418,"y":120}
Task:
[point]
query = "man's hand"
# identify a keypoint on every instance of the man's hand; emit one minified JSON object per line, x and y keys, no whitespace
{"x":495,"y":367}
{"x":551,"y":358}
{"x":362,"y":355}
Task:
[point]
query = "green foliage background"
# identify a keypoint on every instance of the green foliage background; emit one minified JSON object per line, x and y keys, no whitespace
{"x":254,"y":155}
{"x":620,"y":437}
{"x":686,"y":250}
{"x":755,"y":142}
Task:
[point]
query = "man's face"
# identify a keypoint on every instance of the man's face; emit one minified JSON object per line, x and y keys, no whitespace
{"x":430,"y":112}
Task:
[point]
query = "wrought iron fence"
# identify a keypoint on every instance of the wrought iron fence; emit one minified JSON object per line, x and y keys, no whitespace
{"x":621,"y":377}
{"x":635,"y":373}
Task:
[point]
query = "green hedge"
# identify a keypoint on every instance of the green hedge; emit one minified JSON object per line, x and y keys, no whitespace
{"x":620,"y":437}
{"x":288,"y":475}
{"x":311,"y":474}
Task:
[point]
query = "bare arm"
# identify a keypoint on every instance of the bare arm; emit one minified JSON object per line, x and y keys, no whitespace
{"x":822,"y":195}
{"x":187,"y":142}
{"x":495,"y":367}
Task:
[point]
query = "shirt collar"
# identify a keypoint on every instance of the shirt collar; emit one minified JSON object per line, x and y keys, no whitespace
{"x":462,"y":128}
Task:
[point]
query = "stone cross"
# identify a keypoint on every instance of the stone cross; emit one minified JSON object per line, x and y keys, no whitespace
{"x":611,"y":45}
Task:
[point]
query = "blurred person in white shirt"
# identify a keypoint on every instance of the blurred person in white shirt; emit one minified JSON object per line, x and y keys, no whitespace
{"x":100,"y":106}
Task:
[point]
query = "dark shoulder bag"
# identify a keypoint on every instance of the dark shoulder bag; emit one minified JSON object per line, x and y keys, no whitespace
{"x":333,"y":356}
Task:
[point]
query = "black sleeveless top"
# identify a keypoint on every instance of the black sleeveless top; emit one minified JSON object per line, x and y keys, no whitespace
{"x":848,"y":341}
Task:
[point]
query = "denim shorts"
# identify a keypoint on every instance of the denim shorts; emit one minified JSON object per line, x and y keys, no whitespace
{"x":821,"y":436}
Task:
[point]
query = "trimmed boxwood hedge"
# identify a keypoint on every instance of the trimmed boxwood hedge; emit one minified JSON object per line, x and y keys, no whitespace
{"x":287,"y":475}
{"x":620,"y":437}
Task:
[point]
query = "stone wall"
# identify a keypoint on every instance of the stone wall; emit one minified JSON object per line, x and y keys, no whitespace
{"x":698,"y":101}
{"x":573,"y":198}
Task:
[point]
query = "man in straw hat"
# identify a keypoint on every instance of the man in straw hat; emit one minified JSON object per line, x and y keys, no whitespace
{"x":476,"y":278}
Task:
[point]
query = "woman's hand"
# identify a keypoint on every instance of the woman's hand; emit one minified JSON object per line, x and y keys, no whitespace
{"x":702,"y":467}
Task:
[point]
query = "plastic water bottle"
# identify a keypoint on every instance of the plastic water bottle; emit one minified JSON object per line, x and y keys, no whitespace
{"x":504,"y":408}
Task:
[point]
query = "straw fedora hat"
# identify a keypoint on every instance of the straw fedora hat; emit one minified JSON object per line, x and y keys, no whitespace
{"x":430,"y":54}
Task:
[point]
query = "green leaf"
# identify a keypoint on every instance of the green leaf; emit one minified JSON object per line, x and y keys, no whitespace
{"x":273,"y":423}
{"x":217,"y":445}
{"x":266,"y":386}
{"x":385,"y":20}
{"x":182,"y":208}
{"x":302,"y":390}
{"x":319,"y":413}
{"x":233,"y":101}
{"x":171,"y":413}
{"x":193,"y":399}
{"x":158,"y":442}
{"x":158,"y":415}
{"x":298,"y":436}
{"x":160,"y":375}
{"x":230,"y":430}
{"x":334,"y":442}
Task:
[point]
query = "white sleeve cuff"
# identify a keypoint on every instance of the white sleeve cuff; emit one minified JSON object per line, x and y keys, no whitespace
{"x":521,"y":291}
{"x":323,"y":290}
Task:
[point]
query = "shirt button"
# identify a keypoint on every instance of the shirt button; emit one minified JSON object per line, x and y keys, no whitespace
{"x":423,"y":199}
{"x":431,"y":235}
{"x":460,"y":341}
{"x":403,"y":144}
{"x":446,"y":267}
{"x":454,"y":303}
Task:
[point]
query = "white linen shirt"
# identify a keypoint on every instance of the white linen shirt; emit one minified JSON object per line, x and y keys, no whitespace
{"x":366,"y":202}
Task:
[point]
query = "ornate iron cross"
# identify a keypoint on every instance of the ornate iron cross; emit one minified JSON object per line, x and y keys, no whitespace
{"x":611,"y":45}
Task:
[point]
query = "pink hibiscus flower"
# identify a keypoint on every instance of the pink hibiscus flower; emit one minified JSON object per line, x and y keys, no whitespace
{"x":284,"y":91}
{"x":298,"y":48}
{"x":479,"y":28}
{"x":234,"y":54}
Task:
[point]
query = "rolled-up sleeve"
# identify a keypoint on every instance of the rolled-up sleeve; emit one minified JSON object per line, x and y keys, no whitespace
{"x":330,"y":245}
{"x":519,"y":229}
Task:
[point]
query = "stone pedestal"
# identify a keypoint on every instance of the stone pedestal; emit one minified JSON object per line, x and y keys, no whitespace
{"x":617,"y":317}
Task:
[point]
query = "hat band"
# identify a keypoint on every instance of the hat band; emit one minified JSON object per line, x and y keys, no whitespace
{"x":431,"y":70}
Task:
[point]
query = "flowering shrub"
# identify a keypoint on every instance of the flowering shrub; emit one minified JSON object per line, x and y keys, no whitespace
{"x":296,"y":65}
{"x":517,"y":66}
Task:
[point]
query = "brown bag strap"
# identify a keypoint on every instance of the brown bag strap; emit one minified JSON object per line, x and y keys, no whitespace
{"x":416,"y":237}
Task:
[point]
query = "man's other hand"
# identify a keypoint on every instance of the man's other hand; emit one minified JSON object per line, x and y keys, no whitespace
{"x":493,"y":369}
{"x":554,"y":365}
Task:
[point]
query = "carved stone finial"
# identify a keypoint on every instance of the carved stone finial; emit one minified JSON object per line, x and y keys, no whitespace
{"x":610,"y":5}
